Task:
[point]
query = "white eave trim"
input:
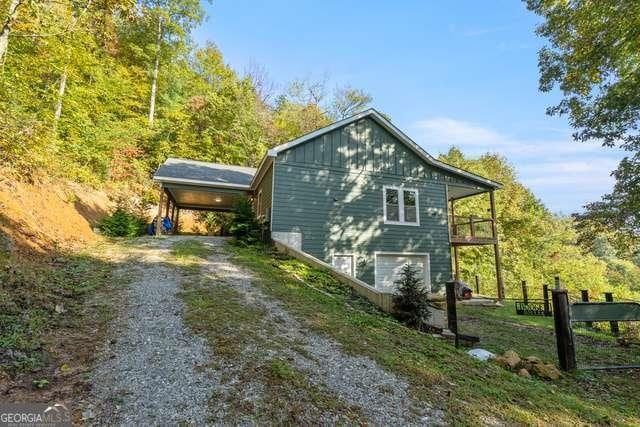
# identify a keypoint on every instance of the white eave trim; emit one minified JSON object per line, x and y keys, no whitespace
{"x":394,"y":131}
{"x":171,"y":180}
{"x":261,"y":171}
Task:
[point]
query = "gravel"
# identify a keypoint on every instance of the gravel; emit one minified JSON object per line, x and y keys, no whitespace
{"x":153,"y":373}
{"x":158,"y":372}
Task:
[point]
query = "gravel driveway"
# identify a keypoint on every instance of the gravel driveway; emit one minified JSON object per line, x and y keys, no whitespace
{"x":158,"y":372}
{"x":151,"y":371}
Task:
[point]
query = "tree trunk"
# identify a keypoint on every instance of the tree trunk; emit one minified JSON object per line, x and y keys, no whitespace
{"x":63,"y":77}
{"x":61,"y":89}
{"x":154,"y":79}
{"x":6,"y":27}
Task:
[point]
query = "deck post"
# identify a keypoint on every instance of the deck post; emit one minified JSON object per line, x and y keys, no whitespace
{"x":159,"y":217}
{"x":453,"y":219}
{"x":456,"y":262}
{"x":496,"y":248}
{"x":456,"y":257}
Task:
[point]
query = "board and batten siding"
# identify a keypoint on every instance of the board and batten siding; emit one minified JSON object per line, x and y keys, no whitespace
{"x":330,"y":189}
{"x":265,"y":189}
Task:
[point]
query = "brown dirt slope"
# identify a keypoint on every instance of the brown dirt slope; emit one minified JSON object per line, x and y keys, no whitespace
{"x":38,"y":217}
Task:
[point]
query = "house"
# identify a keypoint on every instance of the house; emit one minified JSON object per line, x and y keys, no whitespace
{"x":358,"y":194}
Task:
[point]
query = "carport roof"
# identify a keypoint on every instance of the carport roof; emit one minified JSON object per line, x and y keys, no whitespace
{"x":182,"y":171}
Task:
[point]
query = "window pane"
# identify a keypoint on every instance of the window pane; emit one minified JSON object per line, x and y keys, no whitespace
{"x":393,"y":209}
{"x":410,"y":208}
{"x":392,"y":197}
{"x":409,"y":198}
{"x":392,"y":213}
{"x":410,"y":214}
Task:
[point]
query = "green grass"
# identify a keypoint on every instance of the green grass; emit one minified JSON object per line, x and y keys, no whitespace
{"x":190,"y":249}
{"x":502,"y":329}
{"x":469,"y":391}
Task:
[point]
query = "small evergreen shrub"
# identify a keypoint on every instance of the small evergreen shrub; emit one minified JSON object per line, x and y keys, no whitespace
{"x":244,"y":225}
{"x":410,"y":300}
{"x":122,"y":224}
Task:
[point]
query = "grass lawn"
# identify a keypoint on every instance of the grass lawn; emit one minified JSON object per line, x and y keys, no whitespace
{"x":469,"y":391}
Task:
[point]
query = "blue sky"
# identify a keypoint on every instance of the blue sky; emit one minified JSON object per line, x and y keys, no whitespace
{"x":462,"y":73}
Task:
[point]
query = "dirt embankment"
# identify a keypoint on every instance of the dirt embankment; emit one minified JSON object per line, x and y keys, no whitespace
{"x":38,"y":217}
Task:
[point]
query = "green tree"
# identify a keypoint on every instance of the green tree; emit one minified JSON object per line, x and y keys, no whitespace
{"x":617,"y":213}
{"x":410,"y":302}
{"x":535,"y":244}
{"x":592,"y":57}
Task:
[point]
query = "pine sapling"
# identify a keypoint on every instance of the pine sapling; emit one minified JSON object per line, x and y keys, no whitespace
{"x":410,"y":300}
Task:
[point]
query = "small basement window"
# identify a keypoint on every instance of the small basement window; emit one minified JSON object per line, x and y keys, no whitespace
{"x":401,"y":206}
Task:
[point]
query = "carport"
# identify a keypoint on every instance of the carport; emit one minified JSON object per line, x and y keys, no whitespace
{"x":201,"y":186}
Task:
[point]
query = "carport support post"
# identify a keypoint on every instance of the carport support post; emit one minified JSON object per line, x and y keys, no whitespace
{"x":175,"y":225}
{"x":159,"y":217}
{"x":496,"y":248}
{"x":562,"y":326}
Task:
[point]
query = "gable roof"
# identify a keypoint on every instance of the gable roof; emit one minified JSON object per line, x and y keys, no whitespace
{"x":391,"y":128}
{"x":183,"y":171}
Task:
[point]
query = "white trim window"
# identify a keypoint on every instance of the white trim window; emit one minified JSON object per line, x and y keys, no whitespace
{"x":345,"y":263}
{"x":401,"y":206}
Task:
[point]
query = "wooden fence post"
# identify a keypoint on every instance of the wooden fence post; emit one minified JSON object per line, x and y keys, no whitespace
{"x":615,"y":330}
{"x":584,"y":293}
{"x":545,"y":297}
{"x":557,"y":282}
{"x":562,"y":326}
{"x":452,"y":317}
{"x":525,"y":294}
{"x":477,"y":284}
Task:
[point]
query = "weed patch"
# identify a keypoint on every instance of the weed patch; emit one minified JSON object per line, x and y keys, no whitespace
{"x":37,"y":297}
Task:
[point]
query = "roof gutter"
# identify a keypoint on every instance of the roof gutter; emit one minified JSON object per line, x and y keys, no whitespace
{"x":170,"y":180}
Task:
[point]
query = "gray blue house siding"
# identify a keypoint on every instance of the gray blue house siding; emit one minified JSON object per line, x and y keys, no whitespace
{"x":330,"y":189}
{"x":342,"y":212}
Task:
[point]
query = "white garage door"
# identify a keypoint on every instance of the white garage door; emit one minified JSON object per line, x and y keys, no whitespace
{"x":389,"y":266}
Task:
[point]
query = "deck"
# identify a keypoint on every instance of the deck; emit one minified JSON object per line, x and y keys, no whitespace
{"x":471,"y":230}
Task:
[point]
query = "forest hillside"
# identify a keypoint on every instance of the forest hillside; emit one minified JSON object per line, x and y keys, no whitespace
{"x":97,"y":93}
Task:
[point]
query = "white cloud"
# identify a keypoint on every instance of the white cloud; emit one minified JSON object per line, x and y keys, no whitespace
{"x":564,"y":173}
{"x":446,"y":131}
